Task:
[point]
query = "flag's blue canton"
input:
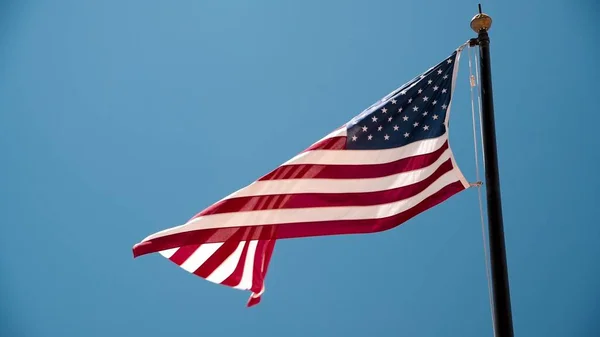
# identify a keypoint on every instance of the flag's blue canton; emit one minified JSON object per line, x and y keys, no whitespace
{"x":416,"y":111}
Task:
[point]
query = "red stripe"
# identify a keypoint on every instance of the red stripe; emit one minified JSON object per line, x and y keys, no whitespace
{"x":304,"y":200}
{"x":257,"y":266}
{"x":220,"y":255}
{"x":303,"y":229}
{"x":236,"y":277}
{"x":306,"y":171}
{"x":261,"y":270}
{"x":183,"y":253}
{"x":253,"y":301}
{"x":262,"y":258}
{"x":333,"y":143}
{"x":261,"y":265}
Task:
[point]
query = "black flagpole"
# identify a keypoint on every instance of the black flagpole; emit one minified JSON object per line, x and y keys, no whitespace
{"x":503,"y":325}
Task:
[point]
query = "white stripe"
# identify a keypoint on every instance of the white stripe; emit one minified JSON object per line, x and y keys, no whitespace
{"x":453,"y":84}
{"x":246,"y":281}
{"x":276,"y":216}
{"x":357,"y":157}
{"x":273,"y":187}
{"x":328,"y":157}
{"x":295,"y":186}
{"x":200,"y":256}
{"x":205,"y":251}
{"x":169,"y":252}
{"x":227,"y":267}
{"x":463,"y":180}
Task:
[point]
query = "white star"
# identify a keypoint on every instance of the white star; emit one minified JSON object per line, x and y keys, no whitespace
{"x":405,"y":118}
{"x":416,"y":124}
{"x":400,"y":110}
{"x":440,"y":72}
{"x":449,"y":61}
{"x":444,"y":107}
{"x":425,"y":113}
{"x":444,"y":91}
{"x":409,"y":100}
{"x":386,"y":137}
{"x":374,"y":119}
{"x":445,"y":77}
{"x":393,"y":101}
{"x":434,"y":102}
{"x":384,"y":110}
{"x":435,"y":88}
{"x":396,"y":127}
{"x":425,"y":99}
{"x":390,"y":119}
{"x":426,"y":127}
{"x":403,"y":92}
{"x":406,"y":134}
{"x":354,"y":138}
{"x":370,"y":137}
{"x":420,"y":91}
{"x":429,"y":82}
{"x":380,"y":128}
{"x":434,"y":116}
{"x":364,"y":129}
{"x":416,"y":108}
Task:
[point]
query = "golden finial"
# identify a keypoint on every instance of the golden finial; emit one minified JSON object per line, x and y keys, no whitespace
{"x":481,"y":22}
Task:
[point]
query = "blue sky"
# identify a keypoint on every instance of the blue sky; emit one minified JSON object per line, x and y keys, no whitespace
{"x":122,"y":118}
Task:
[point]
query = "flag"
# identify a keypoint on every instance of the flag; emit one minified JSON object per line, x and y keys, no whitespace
{"x":383,"y":167}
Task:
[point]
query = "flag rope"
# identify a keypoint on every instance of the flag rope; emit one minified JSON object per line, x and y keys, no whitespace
{"x":475,"y":83}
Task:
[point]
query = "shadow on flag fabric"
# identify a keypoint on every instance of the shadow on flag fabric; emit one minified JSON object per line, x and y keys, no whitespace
{"x":385,"y":166}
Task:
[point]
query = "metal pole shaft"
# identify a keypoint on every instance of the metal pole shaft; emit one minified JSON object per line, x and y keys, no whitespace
{"x":501,"y":293}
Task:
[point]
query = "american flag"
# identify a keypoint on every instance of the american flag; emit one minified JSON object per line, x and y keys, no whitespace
{"x":383,"y":167}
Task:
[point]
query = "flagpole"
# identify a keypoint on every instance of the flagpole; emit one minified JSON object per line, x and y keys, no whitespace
{"x":503,"y":325}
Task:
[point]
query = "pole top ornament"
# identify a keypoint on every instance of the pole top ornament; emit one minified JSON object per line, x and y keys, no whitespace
{"x":481,"y":22}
